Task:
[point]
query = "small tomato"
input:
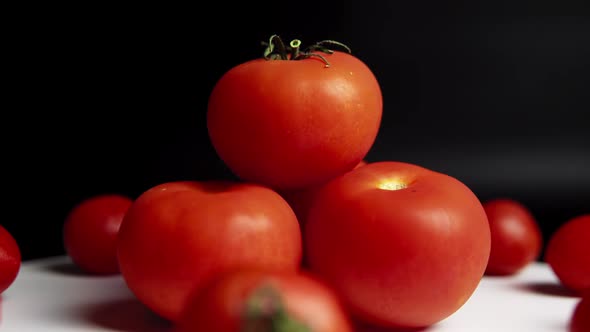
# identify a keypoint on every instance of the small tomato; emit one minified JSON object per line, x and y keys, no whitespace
{"x":90,"y":232}
{"x":580,"y":319}
{"x":568,"y":253}
{"x":516,"y":236}
{"x":10,"y":259}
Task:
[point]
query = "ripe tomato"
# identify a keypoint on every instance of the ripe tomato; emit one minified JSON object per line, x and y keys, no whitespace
{"x":516,"y":236}
{"x":580,"y":319}
{"x":90,"y":232}
{"x":300,"y":200}
{"x":291,"y":124}
{"x":177,"y":235}
{"x":568,"y":253}
{"x":402,"y":245}
{"x":10,"y":259}
{"x":250,"y":300}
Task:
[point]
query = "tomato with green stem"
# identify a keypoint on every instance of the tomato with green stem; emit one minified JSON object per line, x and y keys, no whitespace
{"x":261,"y":301}
{"x":296,"y":117}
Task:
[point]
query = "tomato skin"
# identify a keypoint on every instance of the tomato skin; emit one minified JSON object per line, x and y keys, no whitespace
{"x":90,"y":232}
{"x":580,"y":319}
{"x":568,"y":253}
{"x":178,"y":235}
{"x":10,"y":259}
{"x":516,"y":236}
{"x":399,"y":258}
{"x":291,"y":124}
{"x":222,"y":304}
{"x":300,"y":200}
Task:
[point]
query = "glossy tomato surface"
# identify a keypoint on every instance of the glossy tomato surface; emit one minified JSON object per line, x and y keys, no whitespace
{"x":290,"y":124}
{"x":300,"y":200}
{"x":402,"y":245}
{"x":90,"y":232}
{"x":263,"y":301}
{"x":10,"y":259}
{"x":178,"y":235}
{"x":516,"y":236}
{"x":568,"y":253}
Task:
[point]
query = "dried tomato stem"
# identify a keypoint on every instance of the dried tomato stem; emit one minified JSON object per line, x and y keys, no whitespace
{"x":294,"y":44}
{"x":276,"y":49}
{"x":280,"y":53}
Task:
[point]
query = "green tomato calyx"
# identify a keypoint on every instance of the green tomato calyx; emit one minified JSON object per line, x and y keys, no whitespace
{"x":265,"y":312}
{"x":277,"y":50}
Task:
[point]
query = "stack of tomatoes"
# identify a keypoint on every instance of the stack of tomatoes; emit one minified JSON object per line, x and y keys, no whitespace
{"x":311,"y":238}
{"x":387,"y":243}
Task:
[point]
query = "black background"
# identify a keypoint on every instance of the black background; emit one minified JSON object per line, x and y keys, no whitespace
{"x":112,"y":99}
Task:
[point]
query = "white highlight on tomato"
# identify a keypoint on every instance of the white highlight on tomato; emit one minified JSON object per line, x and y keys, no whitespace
{"x":392,"y":184}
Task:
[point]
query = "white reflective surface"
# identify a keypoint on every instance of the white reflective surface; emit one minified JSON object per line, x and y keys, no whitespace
{"x":51,"y":295}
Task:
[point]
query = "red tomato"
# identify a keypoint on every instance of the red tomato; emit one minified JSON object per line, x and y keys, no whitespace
{"x":516,"y":236}
{"x":402,"y":245}
{"x":301,"y":199}
{"x":264,"y":301}
{"x":10,"y":259}
{"x":90,"y":232}
{"x":178,"y":235}
{"x":291,"y":124}
{"x":568,"y":253}
{"x":580,"y":319}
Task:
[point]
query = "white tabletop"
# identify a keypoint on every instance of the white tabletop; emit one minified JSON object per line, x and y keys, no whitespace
{"x":50,"y":295}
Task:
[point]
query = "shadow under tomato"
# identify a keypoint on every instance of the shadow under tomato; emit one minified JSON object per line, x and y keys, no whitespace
{"x":125,"y":315}
{"x":547,"y":288}
{"x":66,"y":268}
